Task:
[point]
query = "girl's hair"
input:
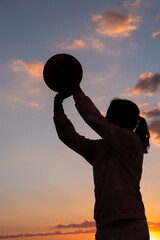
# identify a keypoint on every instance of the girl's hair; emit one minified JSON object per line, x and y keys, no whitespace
{"x":143,"y":132}
{"x":125,"y":113}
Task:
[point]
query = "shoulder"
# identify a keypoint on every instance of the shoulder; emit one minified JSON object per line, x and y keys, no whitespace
{"x":124,"y":140}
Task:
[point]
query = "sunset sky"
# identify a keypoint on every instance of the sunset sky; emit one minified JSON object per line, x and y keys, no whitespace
{"x":47,"y":189}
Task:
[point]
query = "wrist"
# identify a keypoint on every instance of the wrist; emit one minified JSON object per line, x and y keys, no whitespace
{"x":58,"y":103}
{"x":77,"y":89}
{"x":58,"y":98}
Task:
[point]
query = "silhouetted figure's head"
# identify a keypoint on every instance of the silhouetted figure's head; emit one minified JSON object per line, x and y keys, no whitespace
{"x":125,"y":114}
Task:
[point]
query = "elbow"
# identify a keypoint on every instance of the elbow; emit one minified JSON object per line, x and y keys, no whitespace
{"x":94,"y":120}
{"x":62,"y":137}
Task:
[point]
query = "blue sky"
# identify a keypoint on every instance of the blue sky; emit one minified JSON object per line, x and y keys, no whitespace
{"x":117,"y":44}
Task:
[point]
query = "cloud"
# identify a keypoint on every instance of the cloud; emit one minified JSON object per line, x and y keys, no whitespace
{"x":28,"y":235}
{"x":96,"y":17}
{"x":33,"y":68}
{"x":152,"y":113}
{"x":147,"y":83}
{"x":143,"y":105}
{"x":12,"y":101}
{"x":135,"y":4}
{"x":155,"y":34}
{"x":34,"y":91}
{"x":154,"y":128}
{"x":34,"y":105}
{"x":84,"y":224}
{"x":154,"y":226}
{"x":115,"y":24}
{"x":89,"y":43}
{"x":97,"y":44}
{"x":73,"y":45}
{"x":24,"y":88}
{"x":157,"y":17}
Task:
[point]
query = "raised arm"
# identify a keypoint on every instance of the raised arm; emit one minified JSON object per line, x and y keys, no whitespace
{"x":68,"y":135}
{"x":91,"y":114}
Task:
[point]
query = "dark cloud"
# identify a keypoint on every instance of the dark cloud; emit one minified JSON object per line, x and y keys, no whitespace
{"x":148,"y":83}
{"x":152,"y":113}
{"x":153,"y":116}
{"x":46,"y":234}
{"x":30,"y":235}
{"x":154,"y":128}
{"x":84,"y":224}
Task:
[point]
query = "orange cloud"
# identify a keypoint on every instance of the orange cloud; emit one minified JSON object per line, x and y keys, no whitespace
{"x":80,"y":44}
{"x":75,"y":44}
{"x":96,"y":17}
{"x":145,"y":75}
{"x":155,"y":34}
{"x":33,"y":68}
{"x":155,"y":227}
{"x":143,"y":105}
{"x":115,"y":24}
{"x":34,"y":104}
{"x":25,"y":90}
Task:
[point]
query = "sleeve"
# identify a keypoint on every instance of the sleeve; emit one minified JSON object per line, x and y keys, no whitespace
{"x":118,"y":138}
{"x":68,"y":135}
{"x":91,"y":115}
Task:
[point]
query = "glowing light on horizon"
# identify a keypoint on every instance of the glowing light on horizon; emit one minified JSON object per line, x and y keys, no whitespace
{"x":154,"y":236}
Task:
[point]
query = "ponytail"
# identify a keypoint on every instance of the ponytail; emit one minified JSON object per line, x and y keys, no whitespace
{"x":143,"y":132}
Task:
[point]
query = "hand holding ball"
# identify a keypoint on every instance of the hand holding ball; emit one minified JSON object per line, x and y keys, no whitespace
{"x":62,"y":72}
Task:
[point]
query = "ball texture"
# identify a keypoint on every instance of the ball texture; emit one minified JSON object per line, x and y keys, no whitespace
{"x":62,"y":71}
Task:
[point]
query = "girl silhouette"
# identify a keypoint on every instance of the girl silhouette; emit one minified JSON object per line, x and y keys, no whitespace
{"x":116,"y":159}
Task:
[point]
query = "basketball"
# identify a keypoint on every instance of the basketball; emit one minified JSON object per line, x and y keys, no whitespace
{"x":62,"y":71}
